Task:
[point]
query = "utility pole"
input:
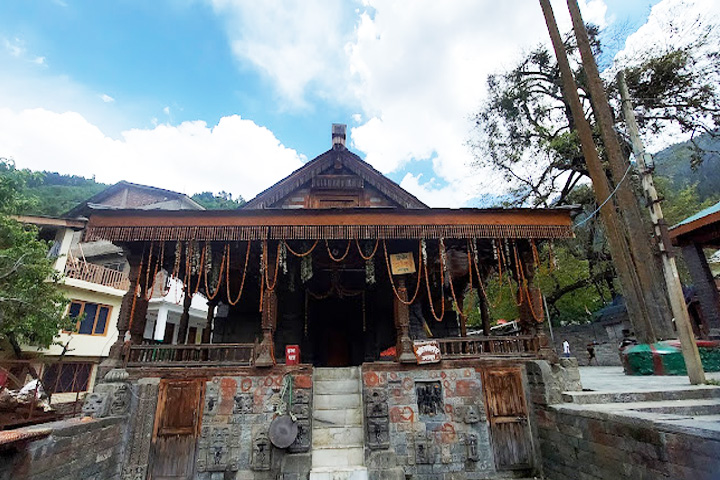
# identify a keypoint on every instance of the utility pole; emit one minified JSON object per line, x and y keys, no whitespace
{"x":631,"y":286}
{"x":672,"y":279}
{"x":638,"y":235}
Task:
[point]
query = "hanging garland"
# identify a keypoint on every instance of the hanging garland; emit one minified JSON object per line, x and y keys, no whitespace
{"x":442,"y":287}
{"x":357,"y":242}
{"x":283,"y":257}
{"x":519,"y":276}
{"x":266,"y":255}
{"x":300,"y":254}
{"x":369,"y":272}
{"x":306,"y":269}
{"x":219,"y":276}
{"x":200,"y":269}
{"x":166,"y":286}
{"x":334,"y":259}
{"x":392,"y":282}
{"x":443,"y":259}
{"x":227,"y":275}
{"x":523,"y":287}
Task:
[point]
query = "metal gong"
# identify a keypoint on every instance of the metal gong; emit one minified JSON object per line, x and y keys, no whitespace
{"x":283,"y":431}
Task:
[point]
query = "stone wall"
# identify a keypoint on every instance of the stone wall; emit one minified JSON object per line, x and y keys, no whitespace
{"x":591,"y":445}
{"x":432,"y":419}
{"x":578,"y":336}
{"x":79,"y":448}
{"x":234,"y":436}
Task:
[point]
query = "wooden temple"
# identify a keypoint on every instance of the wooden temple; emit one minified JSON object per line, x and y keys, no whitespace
{"x":311,"y":262}
{"x":342,"y":264}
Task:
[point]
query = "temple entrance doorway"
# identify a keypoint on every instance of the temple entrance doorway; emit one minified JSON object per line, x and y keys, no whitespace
{"x":336,"y":331}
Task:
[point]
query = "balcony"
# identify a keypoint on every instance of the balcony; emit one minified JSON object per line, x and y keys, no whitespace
{"x":89,"y":272}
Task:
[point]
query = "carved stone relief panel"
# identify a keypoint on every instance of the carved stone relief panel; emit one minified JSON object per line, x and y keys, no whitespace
{"x":141,"y":429}
{"x":377,"y":422}
{"x":423,"y":449}
{"x":378,"y":433}
{"x":304,"y":435}
{"x":243,"y":403}
{"x":471,"y":443}
{"x":261,"y":452}
{"x":429,"y":398}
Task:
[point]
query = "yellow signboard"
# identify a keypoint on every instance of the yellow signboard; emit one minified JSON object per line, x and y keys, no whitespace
{"x":402,"y":263}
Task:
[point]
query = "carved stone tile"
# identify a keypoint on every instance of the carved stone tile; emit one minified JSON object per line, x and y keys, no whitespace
{"x":261,"y":452}
{"x":378,"y":433}
{"x":243,"y":403}
{"x":304,"y":436}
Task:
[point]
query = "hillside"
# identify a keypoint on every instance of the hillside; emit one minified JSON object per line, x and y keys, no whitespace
{"x":676,"y":164}
{"x":57,"y":194}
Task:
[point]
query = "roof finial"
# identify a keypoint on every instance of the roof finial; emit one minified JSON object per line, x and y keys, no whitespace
{"x":338,"y":135}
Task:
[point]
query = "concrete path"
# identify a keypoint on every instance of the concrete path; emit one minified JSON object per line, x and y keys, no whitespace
{"x":612,"y":379}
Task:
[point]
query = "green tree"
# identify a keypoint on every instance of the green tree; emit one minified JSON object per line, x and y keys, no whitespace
{"x":218,"y":201}
{"x":31,"y":305}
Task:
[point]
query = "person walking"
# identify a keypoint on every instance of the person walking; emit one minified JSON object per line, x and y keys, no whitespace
{"x":566,"y":349}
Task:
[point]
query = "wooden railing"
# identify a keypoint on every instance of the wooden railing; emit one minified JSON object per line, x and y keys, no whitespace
{"x":89,"y":272}
{"x":525,"y":345}
{"x":205,"y":354}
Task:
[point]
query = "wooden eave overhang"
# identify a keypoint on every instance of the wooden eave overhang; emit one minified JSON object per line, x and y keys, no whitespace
{"x":302,"y":224}
{"x":703,"y":231}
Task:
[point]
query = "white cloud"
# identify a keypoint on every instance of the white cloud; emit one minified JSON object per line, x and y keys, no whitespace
{"x":294,"y":44}
{"x":236,"y":155}
{"x":106,"y":98}
{"x":420,"y":74}
{"x":14,"y":47}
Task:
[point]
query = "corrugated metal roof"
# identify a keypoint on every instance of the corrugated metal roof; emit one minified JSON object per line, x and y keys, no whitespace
{"x":703,"y":213}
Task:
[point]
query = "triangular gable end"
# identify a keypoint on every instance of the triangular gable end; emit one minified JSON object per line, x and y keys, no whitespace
{"x":336,"y":179}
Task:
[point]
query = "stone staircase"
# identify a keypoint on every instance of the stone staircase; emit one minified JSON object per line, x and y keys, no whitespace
{"x":338,"y":451}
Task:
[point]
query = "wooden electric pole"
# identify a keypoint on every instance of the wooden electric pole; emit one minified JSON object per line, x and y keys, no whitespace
{"x":631,"y":286}
{"x":672,"y":279}
{"x":638,"y":234}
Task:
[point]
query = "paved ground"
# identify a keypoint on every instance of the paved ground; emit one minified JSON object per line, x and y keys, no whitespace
{"x":613,"y":379}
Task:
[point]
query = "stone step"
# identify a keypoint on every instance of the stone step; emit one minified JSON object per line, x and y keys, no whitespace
{"x":338,"y":457}
{"x":337,"y":437}
{"x":351,"y":473}
{"x":694,"y":393}
{"x":692,"y":408}
{"x":336,"y":401}
{"x":337,"y":418}
{"x":336,"y":373}
{"x":336,"y":386}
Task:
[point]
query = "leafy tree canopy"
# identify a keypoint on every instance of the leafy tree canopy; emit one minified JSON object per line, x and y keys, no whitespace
{"x":218,"y":201}
{"x":31,"y":306}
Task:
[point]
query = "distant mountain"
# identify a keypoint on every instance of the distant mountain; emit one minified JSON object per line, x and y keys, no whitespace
{"x":676,"y":164}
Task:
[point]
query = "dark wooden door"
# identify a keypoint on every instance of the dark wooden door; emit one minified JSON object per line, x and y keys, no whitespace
{"x":507,"y":413}
{"x":177,"y":423}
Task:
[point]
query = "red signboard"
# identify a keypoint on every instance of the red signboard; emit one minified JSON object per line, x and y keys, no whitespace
{"x":292,"y":354}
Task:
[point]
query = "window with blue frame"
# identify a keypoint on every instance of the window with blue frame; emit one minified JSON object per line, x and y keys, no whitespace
{"x":92,"y":317}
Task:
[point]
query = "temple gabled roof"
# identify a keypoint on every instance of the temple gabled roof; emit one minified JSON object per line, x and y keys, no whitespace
{"x":337,"y":158}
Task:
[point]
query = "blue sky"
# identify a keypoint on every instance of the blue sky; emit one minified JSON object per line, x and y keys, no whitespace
{"x":231,"y":95}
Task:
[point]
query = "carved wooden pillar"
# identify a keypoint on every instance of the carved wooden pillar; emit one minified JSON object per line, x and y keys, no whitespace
{"x":116,"y":350}
{"x":705,"y":288}
{"x":402,"y":324}
{"x":207,"y":331}
{"x":184,"y":317}
{"x":532,"y":316}
{"x":266,"y":354}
